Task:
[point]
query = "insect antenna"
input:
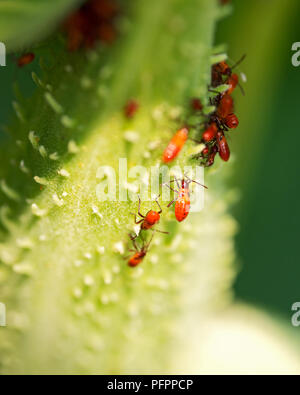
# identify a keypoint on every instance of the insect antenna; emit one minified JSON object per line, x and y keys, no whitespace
{"x":198,"y":183}
{"x":239,"y":62}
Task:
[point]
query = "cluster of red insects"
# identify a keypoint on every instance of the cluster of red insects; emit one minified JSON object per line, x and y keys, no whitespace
{"x":93,"y":22}
{"x":216,"y":124}
{"x":223,"y":119}
{"x":214,"y":139}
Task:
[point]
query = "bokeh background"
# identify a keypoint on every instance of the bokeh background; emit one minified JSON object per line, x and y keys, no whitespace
{"x":266,"y":148}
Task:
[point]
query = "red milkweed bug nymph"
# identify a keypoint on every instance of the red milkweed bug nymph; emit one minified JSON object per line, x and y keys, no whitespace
{"x":205,"y":151}
{"x":231,"y":121}
{"x":196,"y":104}
{"x":223,"y":146}
{"x":149,"y":220}
{"x":183,"y":200}
{"x":211,"y":157}
{"x":223,"y":69}
{"x":210,"y":133}
{"x":233,"y":82}
{"x":175,"y":145}
{"x":225,"y":106}
{"x":26,"y":59}
{"x":131,"y":108}
{"x":139,"y":253}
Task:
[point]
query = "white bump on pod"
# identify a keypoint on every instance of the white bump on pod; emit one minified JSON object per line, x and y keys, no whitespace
{"x":131,"y":187}
{"x":73,"y":147}
{"x":43,"y":151}
{"x":23,"y":268}
{"x":96,"y":212}
{"x":243,"y":77}
{"x":23,"y":168}
{"x":119,"y":247}
{"x":77,"y":292}
{"x":7,"y":256}
{"x":38,"y":212}
{"x":9,"y":192}
{"x":67,"y":121}
{"x":34,"y":139}
{"x":158,"y":113}
{"x":88,"y":281}
{"x":101,"y":250}
{"x":154,"y":259}
{"x":41,"y":180}
{"x":175,"y":112}
{"x":137,"y":229}
{"x":137,"y":273}
{"x":57,"y":201}
{"x":116,"y":269}
{"x":56,"y":107}
{"x":104,"y":299}
{"x":153,"y":145}
{"x":25,"y":243}
{"x":107,"y":277}
{"x":37,"y":80}
{"x":64,"y":173}
{"x":131,"y":136}
{"x":54,"y":156}
{"x":18,"y":111}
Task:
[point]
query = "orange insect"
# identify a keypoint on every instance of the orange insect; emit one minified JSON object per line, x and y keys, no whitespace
{"x":225,"y":106}
{"x":232,"y":121}
{"x":183,"y":200}
{"x":223,"y":69}
{"x":233,"y":82}
{"x":26,"y":59}
{"x":223,"y":146}
{"x":175,"y":146}
{"x":211,"y":157}
{"x":150,"y":219}
{"x":131,"y":108}
{"x":139,"y":253}
{"x":210,"y":133}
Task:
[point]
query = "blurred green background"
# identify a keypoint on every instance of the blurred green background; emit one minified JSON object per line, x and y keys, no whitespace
{"x":266,"y":148}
